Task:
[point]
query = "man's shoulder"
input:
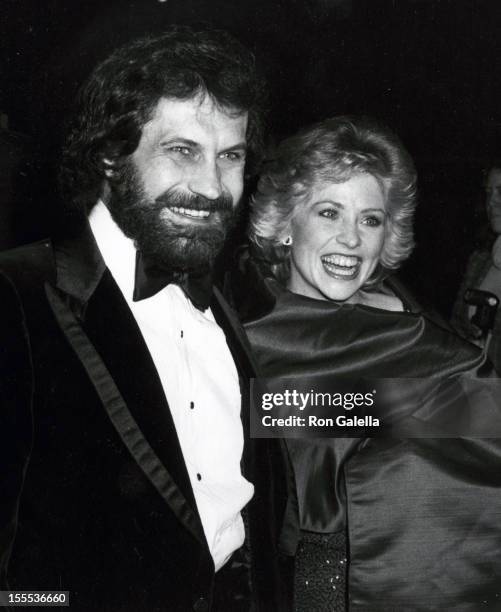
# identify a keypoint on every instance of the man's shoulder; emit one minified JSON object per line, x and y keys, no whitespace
{"x":28,"y":265}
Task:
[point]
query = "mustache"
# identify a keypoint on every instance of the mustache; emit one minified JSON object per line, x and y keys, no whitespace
{"x":170,"y":198}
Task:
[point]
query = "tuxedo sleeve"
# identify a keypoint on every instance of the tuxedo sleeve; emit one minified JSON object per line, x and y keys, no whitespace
{"x":16,"y":429}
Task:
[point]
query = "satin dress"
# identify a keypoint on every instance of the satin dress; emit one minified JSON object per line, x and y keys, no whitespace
{"x":380,"y":524}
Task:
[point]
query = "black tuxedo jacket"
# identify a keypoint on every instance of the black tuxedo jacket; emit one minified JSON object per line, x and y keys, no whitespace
{"x":96,"y":499}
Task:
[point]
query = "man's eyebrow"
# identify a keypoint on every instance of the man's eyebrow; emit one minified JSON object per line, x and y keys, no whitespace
{"x":241,"y":146}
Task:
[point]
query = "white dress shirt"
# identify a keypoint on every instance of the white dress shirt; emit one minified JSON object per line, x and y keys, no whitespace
{"x":201,"y":385}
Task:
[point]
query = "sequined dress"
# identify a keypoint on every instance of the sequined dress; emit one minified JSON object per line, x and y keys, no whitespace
{"x":321,"y":558}
{"x":320,"y":573}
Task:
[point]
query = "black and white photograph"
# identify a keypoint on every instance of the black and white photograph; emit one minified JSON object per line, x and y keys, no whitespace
{"x":250,"y":333}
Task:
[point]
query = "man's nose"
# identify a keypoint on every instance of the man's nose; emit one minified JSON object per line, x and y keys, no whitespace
{"x":206,"y":180}
{"x":349,"y":235}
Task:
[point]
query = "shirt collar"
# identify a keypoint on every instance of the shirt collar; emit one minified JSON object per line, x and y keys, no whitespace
{"x":118,"y":251}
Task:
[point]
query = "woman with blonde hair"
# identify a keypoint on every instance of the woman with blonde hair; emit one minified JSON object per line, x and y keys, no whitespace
{"x":374,"y":524}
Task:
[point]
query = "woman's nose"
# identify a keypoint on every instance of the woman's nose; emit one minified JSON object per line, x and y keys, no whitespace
{"x":349,"y":235}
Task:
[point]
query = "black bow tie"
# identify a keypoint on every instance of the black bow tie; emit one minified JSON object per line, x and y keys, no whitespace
{"x":150,"y":279}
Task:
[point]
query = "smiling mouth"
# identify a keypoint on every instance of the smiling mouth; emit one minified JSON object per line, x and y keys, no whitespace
{"x":193,"y":214}
{"x":343,"y":267}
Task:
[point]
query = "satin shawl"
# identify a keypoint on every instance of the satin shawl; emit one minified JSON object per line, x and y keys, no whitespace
{"x":424,"y":515}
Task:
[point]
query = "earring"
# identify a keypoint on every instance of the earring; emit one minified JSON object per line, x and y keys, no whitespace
{"x":287,"y":241}
{"x":109,"y":167}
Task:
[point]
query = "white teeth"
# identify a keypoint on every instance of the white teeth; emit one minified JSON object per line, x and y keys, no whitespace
{"x":345,"y":261}
{"x":190,"y":212}
{"x":339,"y":271}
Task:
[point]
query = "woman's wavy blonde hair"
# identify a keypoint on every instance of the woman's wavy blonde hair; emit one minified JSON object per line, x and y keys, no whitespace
{"x":333,"y":151}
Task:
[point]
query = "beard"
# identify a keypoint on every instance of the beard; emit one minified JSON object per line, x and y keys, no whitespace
{"x":180,"y":246}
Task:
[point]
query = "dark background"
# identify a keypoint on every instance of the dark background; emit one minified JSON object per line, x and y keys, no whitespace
{"x":430,"y":68}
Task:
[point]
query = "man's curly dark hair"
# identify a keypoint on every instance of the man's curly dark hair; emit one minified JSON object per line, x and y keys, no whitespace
{"x":123,"y":91}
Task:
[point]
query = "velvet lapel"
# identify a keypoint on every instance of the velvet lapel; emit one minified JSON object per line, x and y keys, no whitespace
{"x":98,"y":323}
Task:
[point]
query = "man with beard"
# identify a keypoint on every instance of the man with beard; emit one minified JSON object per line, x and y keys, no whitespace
{"x":128,"y":475}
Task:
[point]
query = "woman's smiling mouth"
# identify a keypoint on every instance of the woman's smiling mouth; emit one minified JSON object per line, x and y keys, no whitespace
{"x":343,"y":267}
